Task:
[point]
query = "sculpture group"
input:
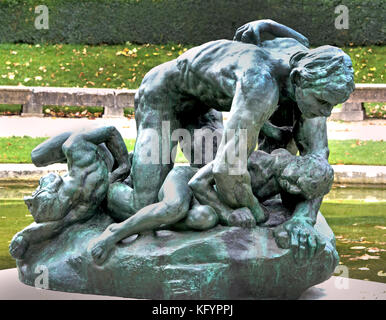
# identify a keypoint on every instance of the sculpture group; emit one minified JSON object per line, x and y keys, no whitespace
{"x":279,"y":93}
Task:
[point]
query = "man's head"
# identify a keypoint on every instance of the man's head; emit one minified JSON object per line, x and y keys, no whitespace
{"x":310,"y":176}
{"x":322,"y":77}
{"x":45,"y":204}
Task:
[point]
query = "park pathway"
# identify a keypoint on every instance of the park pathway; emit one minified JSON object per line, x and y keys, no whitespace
{"x":48,"y":127}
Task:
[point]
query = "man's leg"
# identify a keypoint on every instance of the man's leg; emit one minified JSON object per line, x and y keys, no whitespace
{"x":205,"y":132}
{"x":152,"y":159}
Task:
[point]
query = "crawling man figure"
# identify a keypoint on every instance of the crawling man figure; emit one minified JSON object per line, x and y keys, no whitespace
{"x":59,"y":202}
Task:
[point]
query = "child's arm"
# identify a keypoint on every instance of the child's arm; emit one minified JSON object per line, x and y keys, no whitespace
{"x":39,"y":232}
{"x":50,"y":151}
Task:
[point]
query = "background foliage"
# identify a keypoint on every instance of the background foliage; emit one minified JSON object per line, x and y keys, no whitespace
{"x":186,"y":21}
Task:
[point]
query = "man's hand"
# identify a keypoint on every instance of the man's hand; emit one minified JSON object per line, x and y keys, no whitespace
{"x":251,"y":32}
{"x":241,"y":218}
{"x":299,"y":235}
{"x":120,"y":173}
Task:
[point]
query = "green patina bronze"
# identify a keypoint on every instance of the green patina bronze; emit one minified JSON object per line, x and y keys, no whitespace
{"x":235,"y":224}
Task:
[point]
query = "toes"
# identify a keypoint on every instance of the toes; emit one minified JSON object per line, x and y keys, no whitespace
{"x":295,"y":244}
{"x":320,"y":246}
{"x":96,"y":251}
{"x":302,"y":251}
{"x":251,"y":223}
{"x":282,"y":239}
{"x":311,"y":246}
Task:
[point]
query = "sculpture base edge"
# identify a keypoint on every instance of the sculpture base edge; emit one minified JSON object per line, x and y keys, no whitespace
{"x":221,"y":263}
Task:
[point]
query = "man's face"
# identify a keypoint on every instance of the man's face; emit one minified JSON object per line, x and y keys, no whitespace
{"x":312,"y":103}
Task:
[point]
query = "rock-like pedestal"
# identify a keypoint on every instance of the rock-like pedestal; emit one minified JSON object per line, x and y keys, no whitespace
{"x":222,"y":263}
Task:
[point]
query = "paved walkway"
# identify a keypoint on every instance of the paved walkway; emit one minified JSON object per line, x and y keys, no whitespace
{"x":335,"y":288}
{"x":48,"y":127}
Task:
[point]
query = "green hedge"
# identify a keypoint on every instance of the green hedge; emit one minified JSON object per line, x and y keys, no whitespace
{"x":186,"y":21}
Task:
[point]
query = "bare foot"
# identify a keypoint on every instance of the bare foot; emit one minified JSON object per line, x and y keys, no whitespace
{"x":260,"y":214}
{"x":102,"y":246}
{"x":241,"y":217}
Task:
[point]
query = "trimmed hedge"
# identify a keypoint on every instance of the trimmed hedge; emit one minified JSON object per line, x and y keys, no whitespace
{"x":187,"y":21}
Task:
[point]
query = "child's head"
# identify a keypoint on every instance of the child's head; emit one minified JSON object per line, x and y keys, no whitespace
{"x":45,"y":204}
{"x":323,"y":77}
{"x":310,"y":176}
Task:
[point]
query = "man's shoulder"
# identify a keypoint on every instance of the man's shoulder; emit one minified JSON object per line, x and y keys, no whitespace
{"x":218,"y":50}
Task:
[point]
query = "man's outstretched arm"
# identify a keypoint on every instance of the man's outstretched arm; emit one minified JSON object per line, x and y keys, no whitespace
{"x":251,"y":32}
{"x":311,"y":136}
{"x":298,"y":232}
{"x":254,"y":100}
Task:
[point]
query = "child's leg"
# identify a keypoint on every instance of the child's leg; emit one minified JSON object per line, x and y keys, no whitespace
{"x":199,"y":217}
{"x":175,"y":196}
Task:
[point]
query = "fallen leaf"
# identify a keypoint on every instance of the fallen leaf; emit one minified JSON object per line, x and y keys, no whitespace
{"x":363,"y":269}
{"x":381,"y":274}
{"x":380,"y":227}
{"x":358,"y":248}
{"x":373,"y":250}
{"x":368,"y":257}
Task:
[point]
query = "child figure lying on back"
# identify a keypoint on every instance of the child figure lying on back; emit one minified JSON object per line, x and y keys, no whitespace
{"x":59,"y":202}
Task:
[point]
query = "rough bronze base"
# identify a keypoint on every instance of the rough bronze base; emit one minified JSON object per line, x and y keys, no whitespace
{"x":222,"y":263}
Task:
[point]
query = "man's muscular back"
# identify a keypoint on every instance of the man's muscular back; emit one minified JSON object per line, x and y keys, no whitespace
{"x":214,"y":83}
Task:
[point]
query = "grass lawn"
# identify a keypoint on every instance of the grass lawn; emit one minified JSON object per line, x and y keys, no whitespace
{"x":71,"y":65}
{"x":359,"y":228}
{"x":18,"y":150}
{"x":14,"y":217}
{"x":123,"y":66}
{"x":357,"y":152}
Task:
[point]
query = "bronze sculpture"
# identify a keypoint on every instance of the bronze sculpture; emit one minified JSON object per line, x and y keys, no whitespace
{"x":279,"y":93}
